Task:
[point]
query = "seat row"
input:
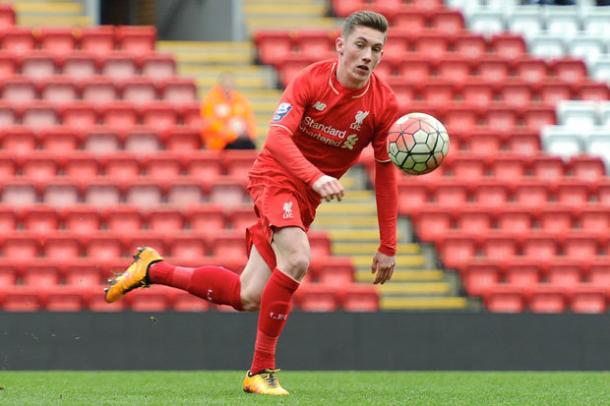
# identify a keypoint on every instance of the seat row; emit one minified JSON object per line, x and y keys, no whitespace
{"x":47,"y":165}
{"x":191,"y":246}
{"x":480,"y":278}
{"x":105,"y":192}
{"x":79,"y":64}
{"x":310,"y":297}
{"x":98,"y":40}
{"x":462,"y":249}
{"x":99,"y":90}
{"x":412,"y":69}
{"x":89,"y":220}
{"x":513,"y":168}
{"x":569,"y":141}
{"x":488,"y":194}
{"x":546,"y":299}
{"x":343,"y":8}
{"x":81,"y":115}
{"x":531,"y":21}
{"x":433,"y":223}
{"x":20,"y":140}
{"x":7,"y":16}
{"x":581,"y":114}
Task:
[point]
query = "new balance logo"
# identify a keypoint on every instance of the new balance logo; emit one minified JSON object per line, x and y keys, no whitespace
{"x":319,"y":106}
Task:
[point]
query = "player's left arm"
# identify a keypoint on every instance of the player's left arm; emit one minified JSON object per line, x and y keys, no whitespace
{"x":386,"y":195}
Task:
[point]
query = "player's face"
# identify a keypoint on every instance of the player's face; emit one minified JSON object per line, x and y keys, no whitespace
{"x":359,"y":54}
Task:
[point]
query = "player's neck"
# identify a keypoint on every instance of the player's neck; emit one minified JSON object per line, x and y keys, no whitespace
{"x":345,"y":81}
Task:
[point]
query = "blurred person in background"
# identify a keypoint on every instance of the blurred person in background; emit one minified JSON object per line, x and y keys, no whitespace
{"x":327,"y":115}
{"x":228,"y":119}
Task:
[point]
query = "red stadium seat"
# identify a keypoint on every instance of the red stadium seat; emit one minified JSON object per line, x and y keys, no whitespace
{"x":518,"y":221}
{"x":508,"y":46}
{"x":206,"y":218}
{"x":8,"y":220}
{"x":594,"y":220}
{"x":97,"y":40}
{"x":448,"y":22}
{"x":474,"y":219}
{"x":549,"y":168}
{"x":477,"y":94}
{"x":525,"y":143}
{"x":531,"y":194}
{"x":457,"y":251}
{"x":522,"y":275}
{"x":314,"y":42}
{"x":586,"y":168}
{"x":499,"y":247}
{"x":81,"y":166}
{"x":139,"y":91}
{"x":238,"y":163}
{"x":229,"y":246}
{"x":145,"y":194}
{"x":185,"y":193}
{"x":553,"y":92}
{"x":7,"y":16}
{"x":493,"y":70}
{"x":531,"y":70}
{"x":81,"y":220}
{"x":431,"y":45}
{"x":566,"y":276}
{"x":19,"y":90}
{"x":65,"y":299}
{"x":272,"y":46}
{"x":581,"y":247}
{"x":505,"y":299}
{"x":159,"y":116}
{"x":59,"y":90}
{"x":516,"y":94}
{"x":491,"y":194}
{"x":123,"y":219}
{"x":501,"y":119}
{"x":58,"y":40}
{"x":360,"y":298}
{"x":480,"y":278}
{"x":317,"y":298}
{"x":136,"y":40}
{"x":119,"y":66}
{"x":179,"y":91}
{"x":18,"y":247}
{"x":570,"y":70}
{"x":103,"y":194}
{"x":158,"y":66}
{"x":121,"y":167}
{"x":185,"y":302}
{"x":99,"y":91}
{"x":40,"y":115}
{"x":22,"y":299}
{"x":165,"y":166}
{"x":38,"y":66}
{"x":154,"y":299}
{"x":470,"y":46}
{"x":78,"y":115}
{"x":413,"y":70}
{"x":40,"y":167}
{"x":187,"y":249}
{"x":165,"y":220}
{"x":102,"y":140}
{"x":40,"y":219}
{"x":143,"y":139}
{"x":19,"y":193}
{"x":19,"y":40}
{"x":241,"y":218}
{"x":228,"y":192}
{"x":540,"y":247}
{"x":432,"y":223}
{"x":556,"y":220}
{"x":79,"y":65}
{"x":41,"y":277}
{"x":9,"y":64}
{"x":588,"y":299}
{"x":121,"y":115}
{"x":536,"y":118}
{"x":62,"y":248}
{"x":573,"y":193}
{"x":451,"y":194}
{"x":61,"y":193}
{"x":546,"y":299}
{"x":593,"y":91}
{"x":182,"y":139}
{"x":406,"y":23}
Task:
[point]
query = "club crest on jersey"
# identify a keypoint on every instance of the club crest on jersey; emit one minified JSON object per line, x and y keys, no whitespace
{"x":319,"y":106}
{"x":360,"y":116}
{"x":281,"y":111}
{"x":287,"y":210}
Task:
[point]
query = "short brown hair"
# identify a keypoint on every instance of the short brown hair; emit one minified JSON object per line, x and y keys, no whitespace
{"x":364,"y":18}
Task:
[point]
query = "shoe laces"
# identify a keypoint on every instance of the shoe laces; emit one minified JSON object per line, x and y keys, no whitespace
{"x":269,"y":376}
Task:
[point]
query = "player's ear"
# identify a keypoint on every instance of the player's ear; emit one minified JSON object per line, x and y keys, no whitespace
{"x":339,"y":45}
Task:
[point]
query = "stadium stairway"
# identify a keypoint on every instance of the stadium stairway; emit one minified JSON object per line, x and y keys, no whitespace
{"x":416,"y":284}
{"x":293,"y":14}
{"x":58,"y":13}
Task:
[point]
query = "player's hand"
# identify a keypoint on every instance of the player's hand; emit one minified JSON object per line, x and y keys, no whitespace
{"x":329,"y":188}
{"x":383,"y":267}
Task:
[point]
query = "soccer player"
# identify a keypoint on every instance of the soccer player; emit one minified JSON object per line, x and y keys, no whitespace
{"x":326,"y":116}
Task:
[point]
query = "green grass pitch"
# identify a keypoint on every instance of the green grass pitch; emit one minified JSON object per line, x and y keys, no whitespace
{"x":307,"y":388}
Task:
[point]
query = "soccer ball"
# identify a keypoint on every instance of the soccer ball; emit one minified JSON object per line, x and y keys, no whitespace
{"x":417,"y":143}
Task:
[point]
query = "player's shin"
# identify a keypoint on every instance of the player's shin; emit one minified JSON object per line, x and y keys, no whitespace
{"x":215,"y":284}
{"x":274,"y":310}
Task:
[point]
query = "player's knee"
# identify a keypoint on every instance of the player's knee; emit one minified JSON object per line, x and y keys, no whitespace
{"x":296,"y":265}
{"x":250,"y":301}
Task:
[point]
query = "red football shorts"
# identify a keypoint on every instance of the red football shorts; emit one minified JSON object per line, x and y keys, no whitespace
{"x":276,"y":207}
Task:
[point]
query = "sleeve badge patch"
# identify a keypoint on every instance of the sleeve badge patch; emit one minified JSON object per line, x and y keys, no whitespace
{"x":281,"y":111}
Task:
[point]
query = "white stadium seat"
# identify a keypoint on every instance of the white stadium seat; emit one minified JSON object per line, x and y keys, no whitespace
{"x":561,"y":141}
{"x":596,"y":22}
{"x":598,"y":144}
{"x":486,"y":22}
{"x":547,"y":46}
{"x":562,"y":20}
{"x":526,"y":21}
{"x":578,"y":114}
{"x":600,"y":69}
{"x":587,"y":47}
{"x":604,"y":114}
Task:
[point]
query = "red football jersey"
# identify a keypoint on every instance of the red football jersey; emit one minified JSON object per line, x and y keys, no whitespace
{"x":329,"y":123}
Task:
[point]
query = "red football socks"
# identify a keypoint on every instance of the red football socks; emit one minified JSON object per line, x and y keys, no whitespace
{"x":212,"y":283}
{"x":274,"y":310}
